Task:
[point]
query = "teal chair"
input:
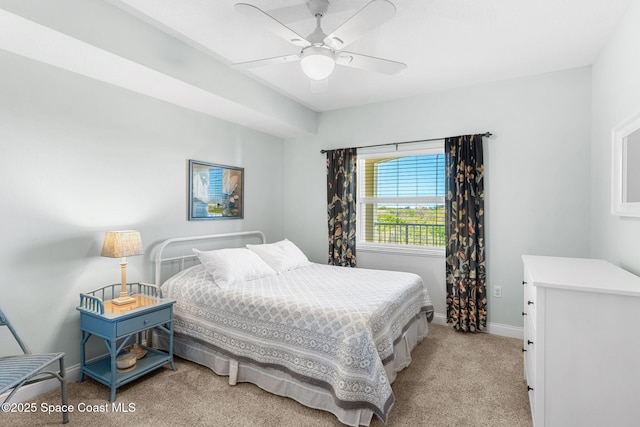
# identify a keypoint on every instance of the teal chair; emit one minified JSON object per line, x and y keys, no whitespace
{"x":29,"y":368}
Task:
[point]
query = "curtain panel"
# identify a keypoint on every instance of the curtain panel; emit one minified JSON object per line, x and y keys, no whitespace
{"x":464,"y":216}
{"x":341,"y":206}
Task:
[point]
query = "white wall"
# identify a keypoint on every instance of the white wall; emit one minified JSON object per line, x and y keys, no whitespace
{"x":80,"y":157}
{"x":616,"y":97}
{"x":100,"y":40}
{"x":537,"y":173}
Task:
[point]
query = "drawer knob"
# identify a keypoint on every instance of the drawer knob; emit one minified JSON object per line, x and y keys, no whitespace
{"x":524,"y":282}
{"x":529,"y":302}
{"x":524,"y":314}
{"x":529,"y":342}
{"x":146,"y":321}
{"x":524,"y":349}
{"x":529,"y":388}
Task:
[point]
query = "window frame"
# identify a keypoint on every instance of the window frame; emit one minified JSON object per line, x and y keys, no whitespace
{"x":420,"y":149}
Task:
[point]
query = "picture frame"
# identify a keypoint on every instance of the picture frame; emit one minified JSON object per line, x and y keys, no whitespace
{"x":215,"y":191}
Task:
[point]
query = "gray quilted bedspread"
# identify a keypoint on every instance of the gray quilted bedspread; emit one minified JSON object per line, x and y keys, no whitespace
{"x":334,"y":327}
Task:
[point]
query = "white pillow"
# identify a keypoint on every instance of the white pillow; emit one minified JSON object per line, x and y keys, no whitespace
{"x":281,"y":256}
{"x":231,"y":266}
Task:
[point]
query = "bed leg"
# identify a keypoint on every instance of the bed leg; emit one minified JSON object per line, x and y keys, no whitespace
{"x":233,"y":371}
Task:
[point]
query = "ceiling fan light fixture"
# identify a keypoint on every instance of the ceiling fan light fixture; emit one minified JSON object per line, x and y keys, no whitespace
{"x":317,"y":62}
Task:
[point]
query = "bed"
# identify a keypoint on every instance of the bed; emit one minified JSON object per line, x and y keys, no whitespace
{"x":332,"y":338}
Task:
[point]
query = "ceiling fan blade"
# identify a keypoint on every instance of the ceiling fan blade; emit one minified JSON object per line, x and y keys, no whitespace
{"x":267,"y":61}
{"x":370,"y":63}
{"x":372,"y":15}
{"x":269,"y":22}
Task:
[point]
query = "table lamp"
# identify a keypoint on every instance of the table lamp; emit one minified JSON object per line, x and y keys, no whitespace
{"x":121,"y":244}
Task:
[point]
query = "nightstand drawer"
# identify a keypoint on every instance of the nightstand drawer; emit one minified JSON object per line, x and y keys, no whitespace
{"x":144,"y":321}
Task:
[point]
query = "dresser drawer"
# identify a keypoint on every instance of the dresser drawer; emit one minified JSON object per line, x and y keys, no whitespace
{"x":530,"y":298}
{"x":530,"y":363}
{"x":530,"y":342}
{"x":144,"y":321}
{"x":532,"y":399}
{"x":530,"y":368}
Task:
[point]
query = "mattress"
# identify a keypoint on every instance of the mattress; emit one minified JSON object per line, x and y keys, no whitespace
{"x":330,"y":327}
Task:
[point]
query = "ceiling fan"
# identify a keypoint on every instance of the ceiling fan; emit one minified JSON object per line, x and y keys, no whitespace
{"x":321,"y":52}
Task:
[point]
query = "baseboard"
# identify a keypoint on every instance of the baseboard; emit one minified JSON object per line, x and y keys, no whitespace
{"x":439,"y":319}
{"x":505,"y":330}
{"x":492,"y":328}
{"x":31,"y":391}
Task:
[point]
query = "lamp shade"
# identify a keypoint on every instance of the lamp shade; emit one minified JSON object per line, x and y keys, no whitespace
{"x":317,"y":62}
{"x":119,"y":244}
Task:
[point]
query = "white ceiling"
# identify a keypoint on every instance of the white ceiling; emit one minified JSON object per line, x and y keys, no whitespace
{"x":445,"y":43}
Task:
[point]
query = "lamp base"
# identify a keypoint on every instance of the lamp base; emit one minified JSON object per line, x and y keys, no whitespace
{"x":123,"y":300}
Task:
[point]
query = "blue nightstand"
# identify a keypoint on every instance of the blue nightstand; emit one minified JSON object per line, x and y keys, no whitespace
{"x":121,"y":326}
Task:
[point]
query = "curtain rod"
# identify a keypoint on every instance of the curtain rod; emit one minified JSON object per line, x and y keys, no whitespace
{"x":486,"y":134}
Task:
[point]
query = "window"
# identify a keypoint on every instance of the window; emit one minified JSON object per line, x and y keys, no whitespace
{"x":401,"y":199}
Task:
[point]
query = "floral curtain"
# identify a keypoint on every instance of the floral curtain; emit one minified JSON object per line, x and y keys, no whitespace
{"x":465,"y":258}
{"x":341,"y":206}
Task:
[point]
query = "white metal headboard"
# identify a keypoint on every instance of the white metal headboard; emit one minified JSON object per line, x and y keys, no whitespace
{"x":159,"y":260}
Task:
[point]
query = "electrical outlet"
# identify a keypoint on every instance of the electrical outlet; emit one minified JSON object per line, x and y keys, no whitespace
{"x":497,"y":291}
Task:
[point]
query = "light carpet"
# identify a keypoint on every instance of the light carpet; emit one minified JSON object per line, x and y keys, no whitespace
{"x":455,"y":379}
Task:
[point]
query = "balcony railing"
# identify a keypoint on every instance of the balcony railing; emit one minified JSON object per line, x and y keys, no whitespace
{"x":409,"y":234}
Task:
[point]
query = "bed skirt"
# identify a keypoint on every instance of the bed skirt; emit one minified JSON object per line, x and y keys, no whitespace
{"x":282,"y":384}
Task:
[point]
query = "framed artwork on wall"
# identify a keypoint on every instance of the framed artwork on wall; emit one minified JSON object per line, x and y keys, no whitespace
{"x":215,"y":191}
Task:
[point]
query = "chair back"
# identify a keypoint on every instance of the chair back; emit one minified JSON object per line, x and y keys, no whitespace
{"x":5,"y":322}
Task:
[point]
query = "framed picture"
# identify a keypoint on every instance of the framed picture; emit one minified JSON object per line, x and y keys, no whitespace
{"x":215,"y":191}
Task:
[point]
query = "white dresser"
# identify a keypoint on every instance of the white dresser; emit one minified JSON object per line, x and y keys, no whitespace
{"x":581,"y":342}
